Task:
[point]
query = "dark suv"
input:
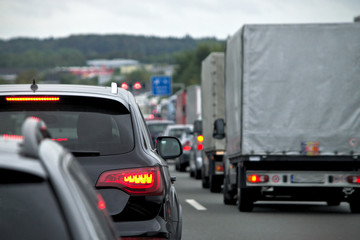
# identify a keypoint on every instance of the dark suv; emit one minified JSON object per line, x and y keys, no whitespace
{"x":44,"y":192}
{"x":104,"y":128}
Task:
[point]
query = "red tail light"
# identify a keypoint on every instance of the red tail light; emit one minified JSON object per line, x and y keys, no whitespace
{"x":200,"y":147}
{"x":13,"y":137}
{"x":137,"y":181}
{"x":187,"y":146}
{"x":101,"y":202}
{"x":256,"y":178}
{"x":33,"y":99}
{"x":353,"y":179}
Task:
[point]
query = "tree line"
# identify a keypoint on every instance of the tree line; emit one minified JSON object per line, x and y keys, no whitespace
{"x":76,"y":49}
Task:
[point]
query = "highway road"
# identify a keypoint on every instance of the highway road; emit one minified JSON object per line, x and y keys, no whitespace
{"x":206,"y":217}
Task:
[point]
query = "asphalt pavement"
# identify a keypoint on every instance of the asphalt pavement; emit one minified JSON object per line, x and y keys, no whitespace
{"x":206,"y":217}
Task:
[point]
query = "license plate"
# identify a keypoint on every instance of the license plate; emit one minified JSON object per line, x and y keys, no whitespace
{"x":307,"y":178}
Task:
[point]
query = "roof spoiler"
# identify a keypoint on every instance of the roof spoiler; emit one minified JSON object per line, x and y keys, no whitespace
{"x":34,"y":131}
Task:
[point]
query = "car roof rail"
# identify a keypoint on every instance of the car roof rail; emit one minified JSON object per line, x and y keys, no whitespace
{"x":34,"y":131}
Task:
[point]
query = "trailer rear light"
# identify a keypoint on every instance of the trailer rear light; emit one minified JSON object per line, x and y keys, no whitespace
{"x":256,"y":178}
{"x":136,"y":181}
{"x":200,"y":138}
{"x":353,"y":179}
{"x":200,"y":147}
{"x":33,"y":99}
{"x":219,"y":168}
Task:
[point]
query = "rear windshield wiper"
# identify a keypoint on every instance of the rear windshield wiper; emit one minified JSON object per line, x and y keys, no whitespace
{"x":79,"y":153}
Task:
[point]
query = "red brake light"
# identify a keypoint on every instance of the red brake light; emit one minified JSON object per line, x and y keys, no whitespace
{"x":101,"y":202}
{"x":124,"y":86}
{"x":187,"y":148}
{"x":33,"y":99}
{"x":137,"y":181}
{"x":353,"y":179}
{"x":200,"y":138}
{"x":13,"y":137}
{"x":137,"y":85}
{"x":256,"y":178}
{"x":200,"y":147}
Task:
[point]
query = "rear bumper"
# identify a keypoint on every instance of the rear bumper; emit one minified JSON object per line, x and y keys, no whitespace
{"x":154,"y":227}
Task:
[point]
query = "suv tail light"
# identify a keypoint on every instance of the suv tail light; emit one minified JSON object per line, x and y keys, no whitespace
{"x":136,"y":181}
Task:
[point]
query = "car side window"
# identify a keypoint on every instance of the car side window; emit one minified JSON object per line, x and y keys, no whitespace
{"x":24,"y":198}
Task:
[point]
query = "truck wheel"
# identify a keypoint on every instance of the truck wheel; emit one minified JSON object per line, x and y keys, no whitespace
{"x":215,"y":184}
{"x":182,"y":167}
{"x":229,"y":195}
{"x":192,"y":173}
{"x":354,"y":206}
{"x":204,"y":180}
{"x":245,"y":201}
{"x":197,"y":174}
{"x":177,"y":165}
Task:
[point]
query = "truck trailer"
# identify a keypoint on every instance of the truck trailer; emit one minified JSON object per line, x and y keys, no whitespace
{"x":293,"y":114}
{"x":213,"y":107}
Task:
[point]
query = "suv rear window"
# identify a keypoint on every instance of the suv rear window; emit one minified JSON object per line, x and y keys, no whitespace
{"x":81,"y":124}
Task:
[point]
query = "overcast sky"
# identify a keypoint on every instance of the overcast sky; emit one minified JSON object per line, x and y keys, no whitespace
{"x":163,"y":18}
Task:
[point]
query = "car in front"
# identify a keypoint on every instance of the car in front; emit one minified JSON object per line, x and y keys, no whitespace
{"x":104,"y":128}
{"x":184,"y":133}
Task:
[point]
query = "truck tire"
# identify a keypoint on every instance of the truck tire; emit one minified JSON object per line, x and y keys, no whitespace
{"x":215,"y":184}
{"x":204,"y":179}
{"x":229,"y":195}
{"x":197,"y":174}
{"x":354,"y":206}
{"x":245,"y":200}
{"x":191,"y":173}
{"x":182,"y":167}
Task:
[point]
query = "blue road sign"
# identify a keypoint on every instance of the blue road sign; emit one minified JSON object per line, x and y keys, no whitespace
{"x":161,"y":85}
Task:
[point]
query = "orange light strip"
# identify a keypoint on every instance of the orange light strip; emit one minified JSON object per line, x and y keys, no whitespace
{"x":33,"y":99}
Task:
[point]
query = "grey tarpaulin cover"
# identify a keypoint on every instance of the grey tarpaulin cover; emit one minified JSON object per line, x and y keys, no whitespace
{"x":212,"y":98}
{"x":291,"y":85}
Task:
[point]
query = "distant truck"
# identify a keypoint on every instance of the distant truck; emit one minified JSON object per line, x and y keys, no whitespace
{"x":180,"y":112}
{"x":193,"y":117}
{"x":292,"y":114}
{"x":193,"y":108}
{"x":213,"y":107}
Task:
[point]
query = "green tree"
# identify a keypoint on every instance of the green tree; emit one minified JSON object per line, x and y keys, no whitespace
{"x":188,"y":70}
{"x":27,"y":76}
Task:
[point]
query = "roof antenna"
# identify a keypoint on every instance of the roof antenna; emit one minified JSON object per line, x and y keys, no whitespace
{"x":33,"y":86}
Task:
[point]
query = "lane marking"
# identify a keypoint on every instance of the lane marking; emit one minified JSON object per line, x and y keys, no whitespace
{"x":196,"y":205}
